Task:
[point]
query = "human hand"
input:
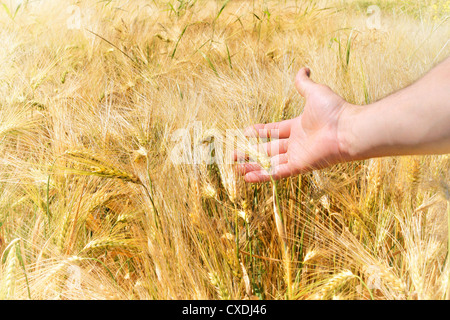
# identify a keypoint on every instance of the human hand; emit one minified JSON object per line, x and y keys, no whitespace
{"x":307,"y":142}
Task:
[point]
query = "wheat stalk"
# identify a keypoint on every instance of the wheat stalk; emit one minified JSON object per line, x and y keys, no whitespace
{"x":281,"y":230}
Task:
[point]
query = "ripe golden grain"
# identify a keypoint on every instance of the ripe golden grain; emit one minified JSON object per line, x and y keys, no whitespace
{"x":221,"y":289}
{"x":96,"y":166}
{"x":9,"y":276}
{"x":334,"y":282}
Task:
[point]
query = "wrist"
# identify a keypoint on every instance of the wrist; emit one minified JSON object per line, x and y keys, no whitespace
{"x":366,"y":131}
{"x":346,"y":133}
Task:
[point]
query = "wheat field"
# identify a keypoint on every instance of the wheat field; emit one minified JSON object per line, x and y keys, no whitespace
{"x":93,"y":207}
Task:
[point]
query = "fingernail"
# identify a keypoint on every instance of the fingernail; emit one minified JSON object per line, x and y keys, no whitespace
{"x":250,"y":131}
{"x":248,"y":177}
{"x":308,"y":71}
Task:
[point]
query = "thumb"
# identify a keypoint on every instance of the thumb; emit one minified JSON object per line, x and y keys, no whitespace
{"x":303,"y":83}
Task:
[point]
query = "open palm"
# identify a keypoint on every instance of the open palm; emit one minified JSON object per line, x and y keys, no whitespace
{"x":307,"y":142}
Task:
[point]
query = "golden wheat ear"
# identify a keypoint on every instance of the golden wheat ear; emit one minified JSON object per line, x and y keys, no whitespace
{"x":93,"y":164}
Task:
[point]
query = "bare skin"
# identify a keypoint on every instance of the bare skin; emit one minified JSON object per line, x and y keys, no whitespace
{"x":414,"y":120}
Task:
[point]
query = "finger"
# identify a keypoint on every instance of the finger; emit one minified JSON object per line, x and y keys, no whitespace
{"x":303,"y":83}
{"x":245,"y":168}
{"x":257,"y":176}
{"x":240,"y":156}
{"x":279,"y":130}
{"x":284,"y":170}
{"x":278,"y":160}
{"x":279,"y":172}
{"x":280,"y":168}
{"x":272,"y":148}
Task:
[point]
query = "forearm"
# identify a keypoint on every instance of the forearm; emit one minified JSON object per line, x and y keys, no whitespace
{"x":415,"y":120}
